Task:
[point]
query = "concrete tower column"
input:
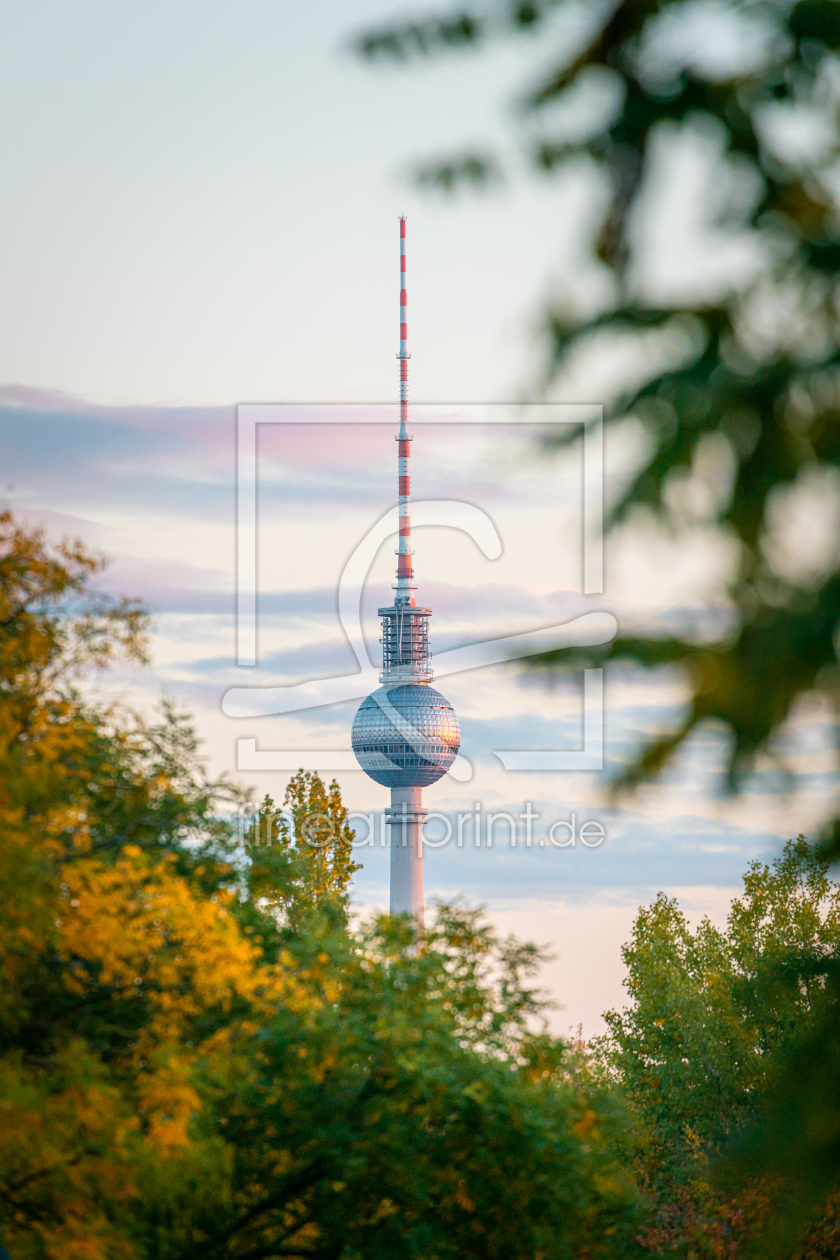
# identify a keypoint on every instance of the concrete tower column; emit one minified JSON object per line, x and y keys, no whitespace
{"x":405,"y":818}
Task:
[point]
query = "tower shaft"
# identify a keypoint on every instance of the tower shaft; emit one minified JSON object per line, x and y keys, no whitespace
{"x":406,"y":817}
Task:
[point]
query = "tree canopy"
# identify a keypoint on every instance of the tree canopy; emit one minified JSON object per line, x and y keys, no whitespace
{"x":199,"y":1055}
{"x":721,"y":1021}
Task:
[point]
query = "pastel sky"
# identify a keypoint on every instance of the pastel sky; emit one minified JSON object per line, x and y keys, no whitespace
{"x":203,"y":212}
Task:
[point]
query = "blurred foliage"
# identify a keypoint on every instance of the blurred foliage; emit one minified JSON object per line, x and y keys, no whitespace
{"x":718,"y":1021}
{"x":740,"y":396}
{"x":199,"y":1056}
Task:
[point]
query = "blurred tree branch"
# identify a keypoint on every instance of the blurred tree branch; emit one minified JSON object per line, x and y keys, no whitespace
{"x":756,"y":371}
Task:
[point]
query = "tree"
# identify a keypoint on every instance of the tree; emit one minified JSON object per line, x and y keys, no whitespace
{"x":199,"y":1057}
{"x":714,"y":1018}
{"x":740,"y":401}
{"x":295,"y":869}
{"x":705,"y":1025}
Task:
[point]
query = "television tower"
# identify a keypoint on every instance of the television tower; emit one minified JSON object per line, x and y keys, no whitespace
{"x":405,"y":734}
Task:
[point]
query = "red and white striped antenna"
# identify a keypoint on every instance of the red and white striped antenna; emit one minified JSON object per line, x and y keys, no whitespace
{"x":405,"y":585}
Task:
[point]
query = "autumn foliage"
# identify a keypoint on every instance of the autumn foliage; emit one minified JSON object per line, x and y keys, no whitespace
{"x":198,"y":1056}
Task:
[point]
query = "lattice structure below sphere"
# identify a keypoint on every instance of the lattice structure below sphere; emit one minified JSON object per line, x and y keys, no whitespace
{"x":406,"y":736}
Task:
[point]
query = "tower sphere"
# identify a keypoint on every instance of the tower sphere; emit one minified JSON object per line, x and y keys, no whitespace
{"x":406,"y":735}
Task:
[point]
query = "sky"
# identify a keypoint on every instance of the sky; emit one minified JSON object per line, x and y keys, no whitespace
{"x":200,"y":210}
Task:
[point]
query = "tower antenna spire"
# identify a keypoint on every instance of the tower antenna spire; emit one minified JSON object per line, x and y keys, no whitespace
{"x":405,"y":570}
